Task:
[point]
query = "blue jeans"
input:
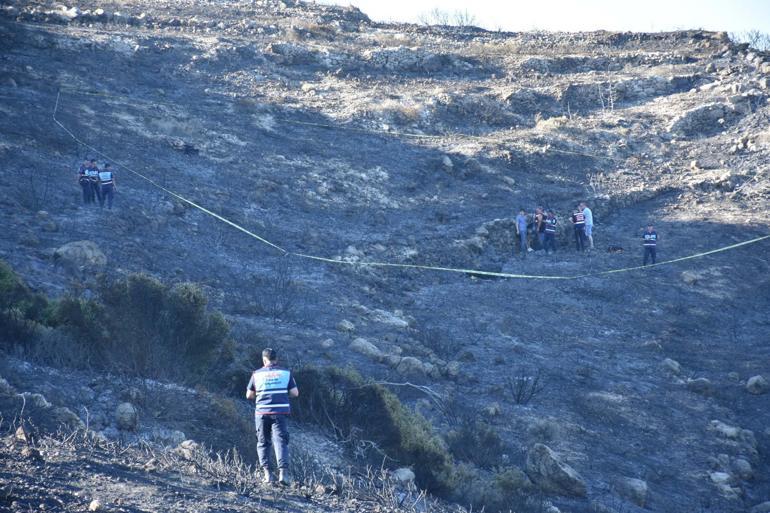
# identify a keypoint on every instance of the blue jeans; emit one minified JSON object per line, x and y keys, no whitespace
{"x":523,"y":242}
{"x":273,"y":429}
{"x":108,"y":192}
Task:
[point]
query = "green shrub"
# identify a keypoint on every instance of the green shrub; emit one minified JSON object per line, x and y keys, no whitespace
{"x":476,"y":442}
{"x":141,"y":327}
{"x":21,"y":310}
{"x":341,"y":400}
{"x":503,"y":490}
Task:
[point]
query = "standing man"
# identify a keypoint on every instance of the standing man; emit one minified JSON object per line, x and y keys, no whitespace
{"x":271,"y":386}
{"x":550,"y":233}
{"x":650,"y":243}
{"x":579,"y":224}
{"x":107,"y":185}
{"x":521,"y":231}
{"x":85,"y":182}
{"x":540,"y":226}
{"x":92,"y":172}
{"x":589,"y":226}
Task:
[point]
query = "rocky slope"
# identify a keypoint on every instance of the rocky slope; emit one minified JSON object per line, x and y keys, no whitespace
{"x":331,"y":135}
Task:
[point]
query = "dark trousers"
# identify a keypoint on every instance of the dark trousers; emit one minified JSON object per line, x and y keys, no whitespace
{"x":549,"y":243}
{"x":273,"y":429}
{"x":88,"y":191}
{"x":97,"y":191}
{"x":107,"y":193}
{"x":580,"y":237}
{"x":649,"y":251}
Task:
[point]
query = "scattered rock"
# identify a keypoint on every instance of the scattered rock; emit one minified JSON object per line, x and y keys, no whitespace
{"x":403,"y":475}
{"x":757,"y":385}
{"x":702,"y":120}
{"x":761,"y":508}
{"x":366,"y":348}
{"x":411,"y":366}
{"x":452,"y":369}
{"x":80,"y":256}
{"x":95,"y":505}
{"x":743,"y":469}
{"x":187,"y":449}
{"x":327,"y":344}
{"x":493,"y":410}
{"x":126,"y":417}
{"x":446,"y":162}
{"x":63,"y":416}
{"x":547,"y":470}
{"x":22,"y":435}
{"x":345,"y":326}
{"x":672,"y":366}
{"x":635,"y":490}
{"x":701,"y":386}
{"x":690,"y":277}
{"x":31,"y":453}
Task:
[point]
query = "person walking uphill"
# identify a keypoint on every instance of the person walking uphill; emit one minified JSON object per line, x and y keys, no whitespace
{"x":650,"y":243}
{"x":271,"y":387}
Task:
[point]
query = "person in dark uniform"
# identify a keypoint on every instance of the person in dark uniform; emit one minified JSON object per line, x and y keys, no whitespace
{"x":271,"y":387}
{"x":92,"y":172}
{"x":85,"y":182}
{"x":650,"y":243}
{"x":549,"y":242}
{"x":579,"y":224}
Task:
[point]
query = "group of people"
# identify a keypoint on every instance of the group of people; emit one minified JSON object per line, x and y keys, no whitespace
{"x":538,"y":232}
{"x":97,"y":184}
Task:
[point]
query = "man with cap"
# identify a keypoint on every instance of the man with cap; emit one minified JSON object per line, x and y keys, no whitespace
{"x":271,"y":387}
{"x":650,"y":243}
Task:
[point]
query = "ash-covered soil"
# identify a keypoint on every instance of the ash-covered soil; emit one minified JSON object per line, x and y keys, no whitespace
{"x":331,"y":135}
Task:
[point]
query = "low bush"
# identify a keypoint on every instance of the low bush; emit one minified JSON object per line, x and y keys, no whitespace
{"x":142,"y":327}
{"x":370,"y":416}
{"x":21,"y":310}
{"x":476,"y":442}
{"x":136,"y":326}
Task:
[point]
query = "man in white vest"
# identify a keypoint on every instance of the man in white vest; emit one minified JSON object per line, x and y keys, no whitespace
{"x":271,"y":387}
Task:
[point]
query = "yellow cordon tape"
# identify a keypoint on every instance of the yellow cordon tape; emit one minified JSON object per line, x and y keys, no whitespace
{"x":164,"y":189}
{"x":317,"y":258}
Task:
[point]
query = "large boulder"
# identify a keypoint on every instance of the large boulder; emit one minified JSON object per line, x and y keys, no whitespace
{"x":757,"y":385}
{"x":411,"y":366}
{"x":703,"y":120}
{"x":366,"y":348}
{"x":547,"y":470}
{"x":126,"y":417}
{"x":635,"y":490}
{"x":80,"y":256}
